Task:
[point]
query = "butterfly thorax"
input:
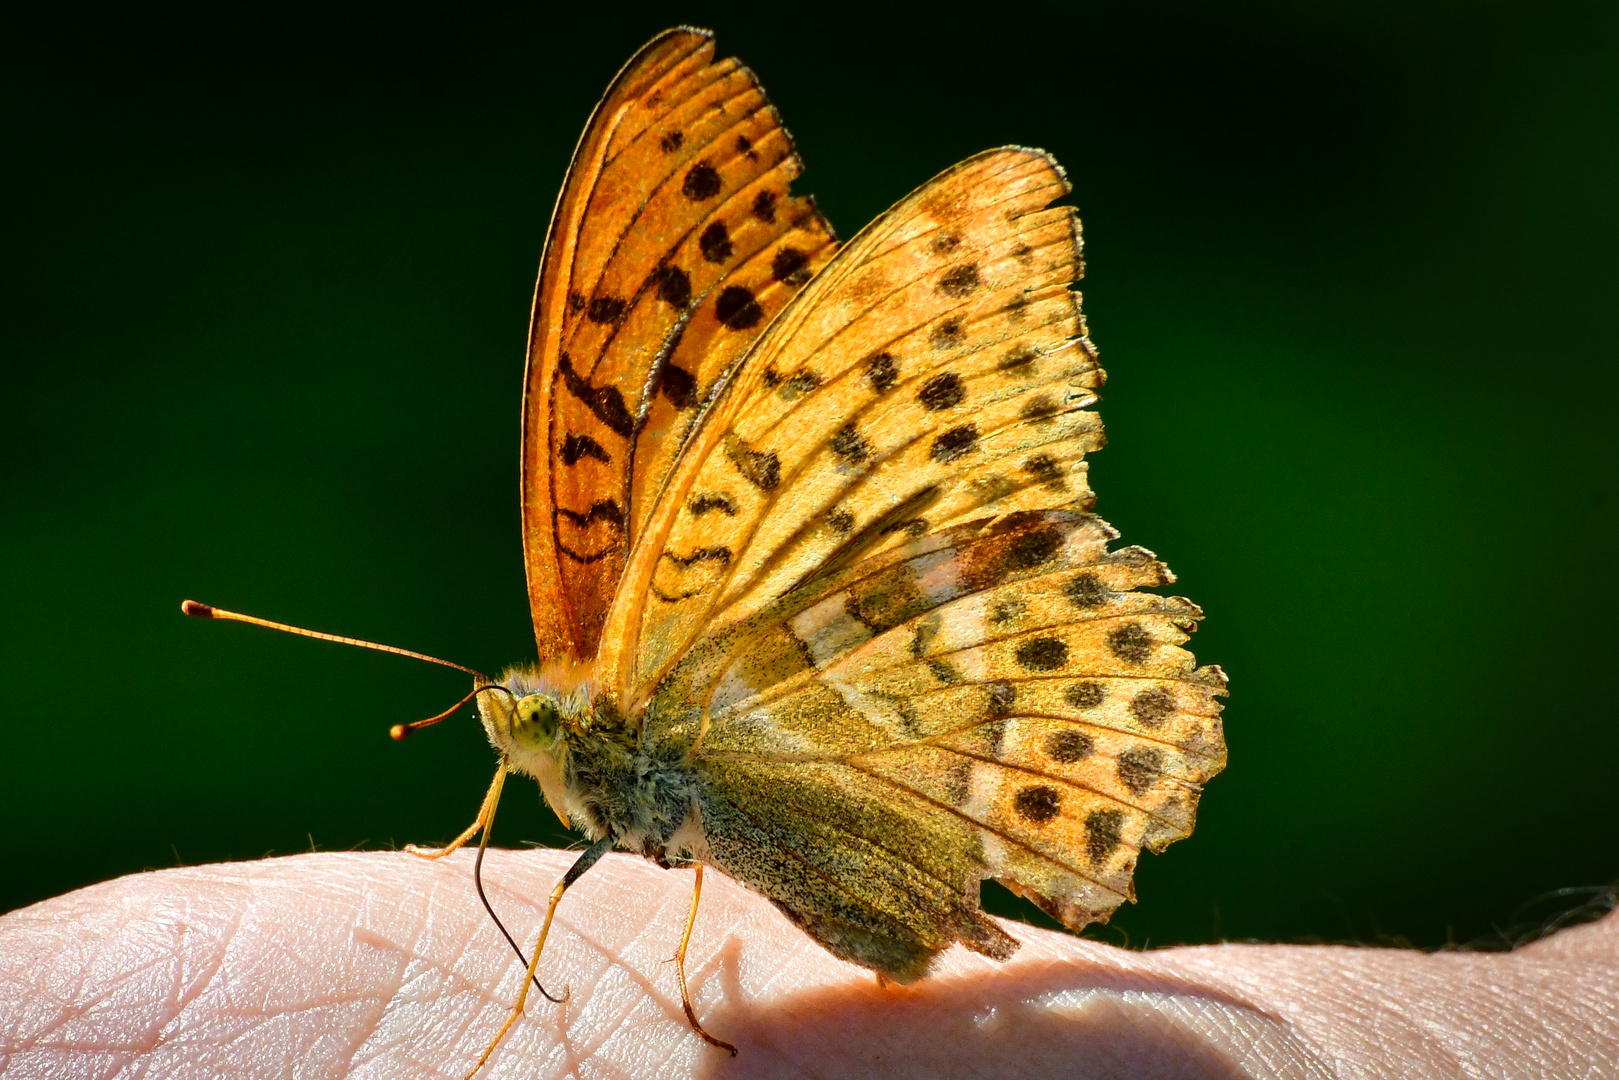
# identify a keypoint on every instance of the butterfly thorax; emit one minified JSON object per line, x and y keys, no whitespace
{"x":597,"y":774}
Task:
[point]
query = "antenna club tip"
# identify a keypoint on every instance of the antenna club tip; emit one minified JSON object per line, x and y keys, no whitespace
{"x":399,"y":733}
{"x":196,"y":610}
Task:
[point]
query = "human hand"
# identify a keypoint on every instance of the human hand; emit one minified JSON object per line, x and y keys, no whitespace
{"x":382,"y":964}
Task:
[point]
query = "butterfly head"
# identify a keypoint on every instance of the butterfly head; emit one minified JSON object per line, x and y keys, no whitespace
{"x":540,"y":709}
{"x":531,"y":724}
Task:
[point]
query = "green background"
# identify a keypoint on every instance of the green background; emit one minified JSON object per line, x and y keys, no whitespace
{"x":1352,"y":273}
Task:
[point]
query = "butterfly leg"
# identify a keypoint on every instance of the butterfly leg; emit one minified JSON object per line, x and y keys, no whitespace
{"x":680,"y":968}
{"x":485,"y":813}
{"x":580,"y":865}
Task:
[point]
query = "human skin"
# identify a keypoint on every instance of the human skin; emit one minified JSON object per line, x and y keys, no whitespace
{"x":384,"y":965}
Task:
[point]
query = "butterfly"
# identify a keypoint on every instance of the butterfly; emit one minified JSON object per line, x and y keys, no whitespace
{"x":818,"y":595}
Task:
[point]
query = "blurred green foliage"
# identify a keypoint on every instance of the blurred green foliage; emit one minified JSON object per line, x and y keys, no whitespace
{"x":1351,"y":271}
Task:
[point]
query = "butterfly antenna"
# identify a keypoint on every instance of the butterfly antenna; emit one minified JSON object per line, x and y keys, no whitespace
{"x":206,"y":611}
{"x":399,"y":731}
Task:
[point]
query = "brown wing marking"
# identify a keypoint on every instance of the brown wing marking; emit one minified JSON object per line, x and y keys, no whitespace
{"x":657,"y":214}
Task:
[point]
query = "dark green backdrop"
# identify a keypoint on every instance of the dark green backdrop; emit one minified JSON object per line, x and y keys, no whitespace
{"x":1352,"y":274}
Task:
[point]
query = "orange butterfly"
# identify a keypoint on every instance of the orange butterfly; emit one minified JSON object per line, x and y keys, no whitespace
{"x":818,"y":596}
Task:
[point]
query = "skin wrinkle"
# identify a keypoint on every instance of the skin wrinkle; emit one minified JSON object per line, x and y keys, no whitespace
{"x":156,"y":1037}
{"x":630,"y":969}
{"x":1066,"y":1007}
{"x":601,"y":948}
{"x":183,"y":995}
{"x":362,"y":1036}
{"x":1410,"y":1016}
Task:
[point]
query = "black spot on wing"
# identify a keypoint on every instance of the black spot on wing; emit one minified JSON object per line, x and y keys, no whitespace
{"x":944,"y":672}
{"x":737,"y":308}
{"x":1044,"y":468}
{"x":944,"y":391}
{"x":1139,"y":768}
{"x":606,"y":309}
{"x":1085,"y":695}
{"x":1152,"y":707}
{"x":672,"y":141}
{"x":707,"y":501}
{"x":1086,"y":591}
{"x":790,"y":266}
{"x":575,"y":447}
{"x":715,"y":243}
{"x":915,"y":528}
{"x":1068,"y":746}
{"x":949,"y":333}
{"x":1037,"y":804}
{"x":959,"y":281}
{"x":1131,"y":643}
{"x":1042,"y":654}
{"x":1039,"y":407}
{"x":702,"y":182}
{"x":840,"y":521}
{"x":760,"y":468}
{"x":606,"y":403}
{"x":1002,"y":696}
{"x":576,"y":302}
{"x":848,"y":444}
{"x":1007,"y":609}
{"x":678,"y":385}
{"x":882,"y":372}
{"x":958,"y":782}
{"x":745,"y":146}
{"x":601,"y":510}
{"x":944,"y":243}
{"x":764,"y":207}
{"x":886,"y":600}
{"x":798,"y":384}
{"x":1029,"y":550}
{"x":1102,"y":834}
{"x":922,"y":635}
{"x":1018,"y":358}
{"x":955,"y":443}
{"x":673,"y":285}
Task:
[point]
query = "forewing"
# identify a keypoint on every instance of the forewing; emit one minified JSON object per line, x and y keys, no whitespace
{"x":673,"y":243}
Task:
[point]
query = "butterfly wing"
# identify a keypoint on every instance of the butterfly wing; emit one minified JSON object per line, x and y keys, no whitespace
{"x":902,"y":658}
{"x":673,"y":243}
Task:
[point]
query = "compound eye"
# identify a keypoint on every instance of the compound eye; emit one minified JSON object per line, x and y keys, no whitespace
{"x":537,"y":715}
